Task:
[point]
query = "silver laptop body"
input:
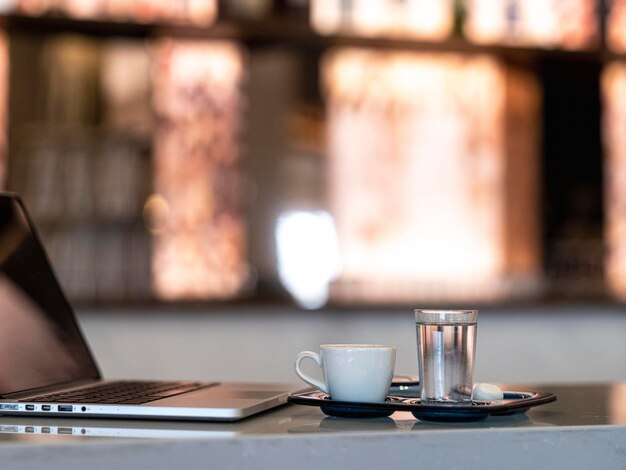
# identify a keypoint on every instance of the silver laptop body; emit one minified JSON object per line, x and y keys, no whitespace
{"x":47,"y":369}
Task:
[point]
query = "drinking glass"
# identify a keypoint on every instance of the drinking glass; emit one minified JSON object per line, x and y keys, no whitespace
{"x":446,"y":345}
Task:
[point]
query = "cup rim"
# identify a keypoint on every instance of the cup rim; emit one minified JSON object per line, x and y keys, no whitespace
{"x":356,"y":346}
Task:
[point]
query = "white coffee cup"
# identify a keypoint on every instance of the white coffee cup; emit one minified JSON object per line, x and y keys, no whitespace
{"x":352,"y":372}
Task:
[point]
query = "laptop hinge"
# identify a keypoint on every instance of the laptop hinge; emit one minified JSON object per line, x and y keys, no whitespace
{"x":48,"y":389}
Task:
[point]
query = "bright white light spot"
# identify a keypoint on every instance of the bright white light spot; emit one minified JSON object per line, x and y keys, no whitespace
{"x":308,"y":256}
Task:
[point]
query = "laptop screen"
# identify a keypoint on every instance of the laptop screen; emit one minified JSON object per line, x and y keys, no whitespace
{"x":40,"y":343}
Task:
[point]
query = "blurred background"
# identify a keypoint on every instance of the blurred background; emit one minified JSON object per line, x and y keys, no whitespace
{"x":338,"y":152}
{"x":257,"y":158}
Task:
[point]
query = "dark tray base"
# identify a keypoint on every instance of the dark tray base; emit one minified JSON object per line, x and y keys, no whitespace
{"x":513,"y":403}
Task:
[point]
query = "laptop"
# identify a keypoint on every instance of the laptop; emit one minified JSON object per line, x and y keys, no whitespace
{"x":46,"y":428}
{"x":47,"y":369}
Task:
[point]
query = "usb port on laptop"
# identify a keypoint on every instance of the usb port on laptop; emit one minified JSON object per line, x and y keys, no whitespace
{"x":65,"y":408}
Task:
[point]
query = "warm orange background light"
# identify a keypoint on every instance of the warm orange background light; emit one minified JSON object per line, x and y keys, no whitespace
{"x":569,"y":24}
{"x":614,"y":118}
{"x":199,"y":249}
{"x":423,"y":19}
{"x":417,"y":147}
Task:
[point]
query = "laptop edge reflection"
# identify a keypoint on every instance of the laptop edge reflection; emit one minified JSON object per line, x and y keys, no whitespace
{"x":47,"y":369}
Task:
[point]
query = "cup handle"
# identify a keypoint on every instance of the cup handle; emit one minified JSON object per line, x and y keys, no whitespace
{"x":310,"y":380}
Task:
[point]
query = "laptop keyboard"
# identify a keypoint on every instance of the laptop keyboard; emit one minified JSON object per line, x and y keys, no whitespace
{"x":122,"y":392}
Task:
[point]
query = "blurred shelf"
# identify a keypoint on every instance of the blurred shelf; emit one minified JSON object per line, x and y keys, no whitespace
{"x":287,"y":32}
{"x":58,"y":24}
{"x":296,"y":34}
